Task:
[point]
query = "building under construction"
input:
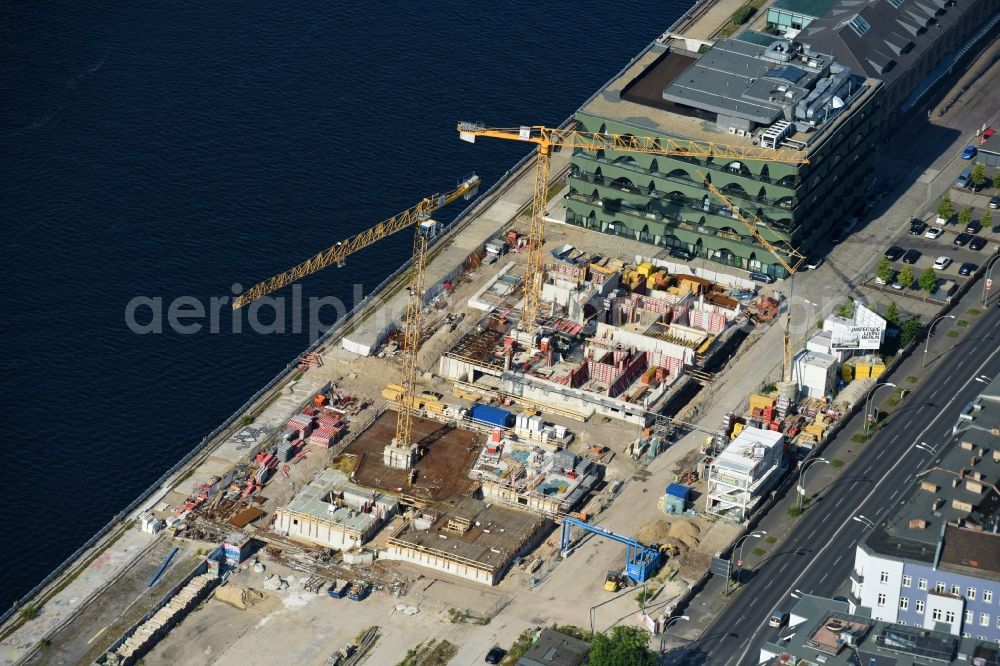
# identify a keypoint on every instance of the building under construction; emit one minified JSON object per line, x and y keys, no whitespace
{"x":473,"y":540}
{"x":527,"y":476}
{"x":620,"y":340}
{"x":334,"y":513}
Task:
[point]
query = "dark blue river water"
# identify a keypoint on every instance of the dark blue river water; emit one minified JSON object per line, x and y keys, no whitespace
{"x":172,"y":149}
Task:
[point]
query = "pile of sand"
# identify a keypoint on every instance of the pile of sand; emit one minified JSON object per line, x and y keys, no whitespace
{"x":657,"y":531}
{"x":685,"y":532}
{"x":238,"y":596}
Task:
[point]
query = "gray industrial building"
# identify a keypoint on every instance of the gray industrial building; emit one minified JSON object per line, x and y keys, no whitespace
{"x":908,"y":44}
{"x":780,"y":95}
{"x":934,"y":560}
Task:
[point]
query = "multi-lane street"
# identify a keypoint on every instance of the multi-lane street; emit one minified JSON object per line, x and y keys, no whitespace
{"x":817,"y":555}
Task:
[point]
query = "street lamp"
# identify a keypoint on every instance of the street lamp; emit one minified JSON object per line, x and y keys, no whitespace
{"x":802,"y":473}
{"x":663,"y":634}
{"x":988,"y":282}
{"x":867,"y":522}
{"x":923,"y":447}
{"x":739,"y":553}
{"x":869,"y":400}
{"x":930,"y":330}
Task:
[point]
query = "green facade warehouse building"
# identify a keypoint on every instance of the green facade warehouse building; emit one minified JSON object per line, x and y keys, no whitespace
{"x":780,"y":94}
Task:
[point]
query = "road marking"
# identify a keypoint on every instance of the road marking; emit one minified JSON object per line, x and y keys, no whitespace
{"x":741,"y":618}
{"x":935,"y":392}
{"x":853,"y":485}
{"x":839,"y":502}
{"x":837,"y":561}
{"x":811,"y":534}
{"x":783,"y":567}
{"x":875,"y":486}
{"x":853,"y":543}
{"x":97,"y":634}
{"x":880,"y":454}
{"x":824,"y":577}
{"x":893,"y":495}
{"x":948,"y":378}
{"x":893,"y":440}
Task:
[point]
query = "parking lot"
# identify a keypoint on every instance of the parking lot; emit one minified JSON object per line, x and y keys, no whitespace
{"x":944,"y":245}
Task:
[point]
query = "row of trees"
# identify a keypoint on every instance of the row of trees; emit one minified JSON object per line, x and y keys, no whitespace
{"x":946,"y":210}
{"x":885,"y":273}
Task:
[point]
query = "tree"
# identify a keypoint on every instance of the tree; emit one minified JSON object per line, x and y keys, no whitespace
{"x":978,"y":178}
{"x":846,"y":310}
{"x":987,"y":219}
{"x":624,"y":646}
{"x":996,"y":180}
{"x":928,"y":281}
{"x":945,"y":209}
{"x":909,"y":331}
{"x":892,"y":314}
{"x":905,"y":277}
{"x":884,"y":270}
{"x":965,"y":216}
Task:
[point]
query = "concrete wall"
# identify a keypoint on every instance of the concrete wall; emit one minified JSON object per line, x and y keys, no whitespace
{"x":309,"y":529}
{"x":439,"y":562}
{"x":498,"y":492}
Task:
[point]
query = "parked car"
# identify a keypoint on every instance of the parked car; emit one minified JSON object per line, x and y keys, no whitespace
{"x":681,"y":253}
{"x":962,"y":239}
{"x":762,"y":277}
{"x":934,"y":233}
{"x":495,"y":655}
{"x":778,"y":619}
{"x":896,"y":285}
{"x":963,"y":179}
{"x":968,"y":268}
{"x":911,"y":256}
{"x":977,"y":243}
{"x":995,"y":201}
{"x":881,"y":282}
{"x":942,"y":263}
{"x":973,"y":227}
{"x":969,"y":152}
{"x":894,"y":253}
{"x":917,"y":227}
{"x":851,"y":223}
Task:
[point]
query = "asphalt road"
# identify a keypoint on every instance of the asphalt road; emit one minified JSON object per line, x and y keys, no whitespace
{"x":817,"y":556}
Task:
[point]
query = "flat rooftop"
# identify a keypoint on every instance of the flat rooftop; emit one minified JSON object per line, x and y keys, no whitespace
{"x":814,"y":8}
{"x":441,"y":473}
{"x":494,"y":536}
{"x":820,"y":629}
{"x":315,"y":500}
{"x":958,"y":491}
{"x":741,"y":455}
{"x":680,"y":93}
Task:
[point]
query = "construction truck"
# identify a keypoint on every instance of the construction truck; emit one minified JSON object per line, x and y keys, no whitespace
{"x":669,"y":550}
{"x":613,"y":582}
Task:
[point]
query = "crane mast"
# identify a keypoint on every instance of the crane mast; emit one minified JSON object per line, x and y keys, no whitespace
{"x":401,"y":452}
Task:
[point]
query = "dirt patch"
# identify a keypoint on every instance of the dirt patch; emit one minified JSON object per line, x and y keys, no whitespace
{"x":441,"y":473}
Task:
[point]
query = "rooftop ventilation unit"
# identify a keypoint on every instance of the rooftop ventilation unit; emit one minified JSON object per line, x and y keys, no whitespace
{"x":776,"y":133}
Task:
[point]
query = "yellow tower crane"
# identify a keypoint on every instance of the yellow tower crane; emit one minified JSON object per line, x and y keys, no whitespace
{"x":401,"y":452}
{"x":548,"y":139}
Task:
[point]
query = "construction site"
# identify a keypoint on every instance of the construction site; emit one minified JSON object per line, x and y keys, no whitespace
{"x":511,"y":387}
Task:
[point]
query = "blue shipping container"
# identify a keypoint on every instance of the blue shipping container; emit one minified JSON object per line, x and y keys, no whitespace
{"x":678,"y":490}
{"x":493,"y":416}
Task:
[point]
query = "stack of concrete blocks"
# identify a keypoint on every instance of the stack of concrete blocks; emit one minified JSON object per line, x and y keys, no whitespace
{"x":152,"y":630}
